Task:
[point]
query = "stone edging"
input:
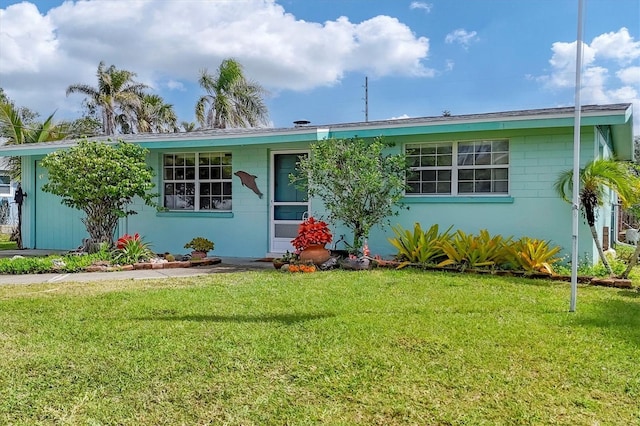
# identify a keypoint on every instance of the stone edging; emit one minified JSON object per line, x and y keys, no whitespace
{"x":156,"y":265}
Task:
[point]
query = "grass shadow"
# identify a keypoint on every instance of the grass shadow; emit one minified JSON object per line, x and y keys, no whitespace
{"x":257,"y":318}
{"x":621,"y":317}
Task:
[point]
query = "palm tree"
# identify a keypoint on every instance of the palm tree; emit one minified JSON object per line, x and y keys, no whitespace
{"x":231,"y":99}
{"x":187,"y":126}
{"x":14,"y":128}
{"x":154,"y":115}
{"x":594,"y":178}
{"x":115,"y":94}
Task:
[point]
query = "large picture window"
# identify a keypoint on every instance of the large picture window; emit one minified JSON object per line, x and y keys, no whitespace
{"x":197,"y":181}
{"x":458,"y":168}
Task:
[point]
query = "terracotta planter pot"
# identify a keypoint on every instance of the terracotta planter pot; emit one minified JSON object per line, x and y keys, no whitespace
{"x":198,"y":254}
{"x":316,"y":254}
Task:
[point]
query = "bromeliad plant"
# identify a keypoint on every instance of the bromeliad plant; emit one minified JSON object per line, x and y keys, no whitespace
{"x":532,"y":255}
{"x":475,"y":250}
{"x":131,"y":249}
{"x":420,"y":246}
{"x":312,"y":232}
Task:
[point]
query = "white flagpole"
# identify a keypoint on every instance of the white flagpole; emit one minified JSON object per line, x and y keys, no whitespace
{"x":576,"y":166}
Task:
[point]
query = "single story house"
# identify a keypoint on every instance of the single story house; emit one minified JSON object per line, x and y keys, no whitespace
{"x":491,"y":171}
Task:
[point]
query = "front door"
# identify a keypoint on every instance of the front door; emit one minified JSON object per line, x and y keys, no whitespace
{"x":289,"y":205}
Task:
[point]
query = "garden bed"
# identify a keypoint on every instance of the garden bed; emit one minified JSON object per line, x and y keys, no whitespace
{"x":105,"y":267}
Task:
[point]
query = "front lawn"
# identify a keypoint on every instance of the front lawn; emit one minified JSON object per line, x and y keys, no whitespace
{"x":374,"y":347}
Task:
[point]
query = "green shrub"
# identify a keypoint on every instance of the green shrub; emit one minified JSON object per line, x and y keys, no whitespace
{"x":131,"y":249}
{"x":468,"y":250}
{"x":624,"y":253}
{"x":42,"y":265}
{"x":420,"y":246}
{"x":532,"y":255}
{"x":26,"y":265}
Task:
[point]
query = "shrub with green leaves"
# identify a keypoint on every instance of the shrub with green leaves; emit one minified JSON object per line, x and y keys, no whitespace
{"x":101,"y":179}
{"x":131,"y":249}
{"x":42,"y":265}
{"x":469,"y":250}
{"x":532,"y":255}
{"x":420,"y":246}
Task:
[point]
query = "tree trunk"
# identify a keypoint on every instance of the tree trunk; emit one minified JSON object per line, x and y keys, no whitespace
{"x":632,"y":262}
{"x":101,"y":224}
{"x":603,"y":258}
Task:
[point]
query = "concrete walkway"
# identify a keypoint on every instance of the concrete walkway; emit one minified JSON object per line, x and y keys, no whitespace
{"x":227,"y":264}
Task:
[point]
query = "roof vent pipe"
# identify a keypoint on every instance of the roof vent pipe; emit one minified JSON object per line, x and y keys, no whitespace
{"x":301,"y":123}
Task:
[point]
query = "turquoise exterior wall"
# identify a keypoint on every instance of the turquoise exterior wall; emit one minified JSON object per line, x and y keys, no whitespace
{"x":532,"y":208}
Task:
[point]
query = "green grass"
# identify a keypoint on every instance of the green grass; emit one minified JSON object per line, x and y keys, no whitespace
{"x":373,"y":347}
{"x":5,"y":244}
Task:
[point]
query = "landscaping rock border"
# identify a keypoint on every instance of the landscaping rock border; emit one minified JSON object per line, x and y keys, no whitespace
{"x":155,"y":265}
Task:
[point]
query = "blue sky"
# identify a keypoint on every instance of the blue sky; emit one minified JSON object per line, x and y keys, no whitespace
{"x":421,"y":57}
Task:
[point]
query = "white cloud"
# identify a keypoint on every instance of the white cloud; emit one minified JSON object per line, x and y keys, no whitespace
{"x":421,"y":5}
{"x":400,"y":117}
{"x":630,"y":75}
{"x":607,"y":54}
{"x":618,"y":46}
{"x":167,"y":42}
{"x":462,"y":37}
{"x":175,"y":85}
{"x":449,"y":65}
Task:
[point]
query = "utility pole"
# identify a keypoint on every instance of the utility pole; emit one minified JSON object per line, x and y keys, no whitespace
{"x":576,"y":165}
{"x":366,"y":99}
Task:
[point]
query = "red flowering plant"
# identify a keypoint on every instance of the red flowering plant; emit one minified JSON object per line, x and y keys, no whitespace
{"x":131,"y":249}
{"x":312,"y":232}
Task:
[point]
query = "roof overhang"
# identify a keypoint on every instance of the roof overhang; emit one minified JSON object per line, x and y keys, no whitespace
{"x":618,"y":116}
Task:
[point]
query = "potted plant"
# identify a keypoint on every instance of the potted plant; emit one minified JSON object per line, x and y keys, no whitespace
{"x":285,"y":259}
{"x":312,"y":236}
{"x":200,"y":246}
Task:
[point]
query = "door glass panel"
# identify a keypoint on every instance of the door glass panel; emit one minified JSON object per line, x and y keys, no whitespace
{"x":289,"y":212}
{"x":284,"y":230}
{"x":284,"y":191}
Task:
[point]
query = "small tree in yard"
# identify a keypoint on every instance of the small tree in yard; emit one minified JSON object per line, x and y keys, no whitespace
{"x":100,"y":179}
{"x":358,"y":184}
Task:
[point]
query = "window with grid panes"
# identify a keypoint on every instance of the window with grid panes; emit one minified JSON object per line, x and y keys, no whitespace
{"x":458,"y":168}
{"x":197,"y":181}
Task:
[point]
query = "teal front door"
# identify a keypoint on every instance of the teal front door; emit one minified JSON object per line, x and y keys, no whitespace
{"x":289,"y":205}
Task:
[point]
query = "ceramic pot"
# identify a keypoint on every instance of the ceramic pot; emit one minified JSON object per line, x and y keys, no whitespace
{"x":316,"y":254}
{"x":198,"y":254}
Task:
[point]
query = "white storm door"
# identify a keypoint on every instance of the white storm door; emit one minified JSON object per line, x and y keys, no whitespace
{"x":289,"y":205}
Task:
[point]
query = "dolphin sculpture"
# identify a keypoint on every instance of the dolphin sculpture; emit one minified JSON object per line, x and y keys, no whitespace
{"x":249,"y":181}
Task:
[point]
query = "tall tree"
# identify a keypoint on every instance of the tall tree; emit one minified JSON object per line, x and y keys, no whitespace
{"x":17,"y":132}
{"x":101,"y":180}
{"x":187,"y":126}
{"x":231,"y":99}
{"x":116,"y":94}
{"x":594,"y":178}
{"x":358,"y":183}
{"x":154,"y":116}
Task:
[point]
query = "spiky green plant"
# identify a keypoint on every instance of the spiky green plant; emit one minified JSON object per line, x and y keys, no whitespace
{"x":420,"y":246}
{"x":532,"y":255}
{"x":469,"y":250}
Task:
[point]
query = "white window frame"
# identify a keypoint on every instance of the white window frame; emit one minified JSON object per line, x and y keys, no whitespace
{"x":455,"y":169}
{"x":225,"y":181}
